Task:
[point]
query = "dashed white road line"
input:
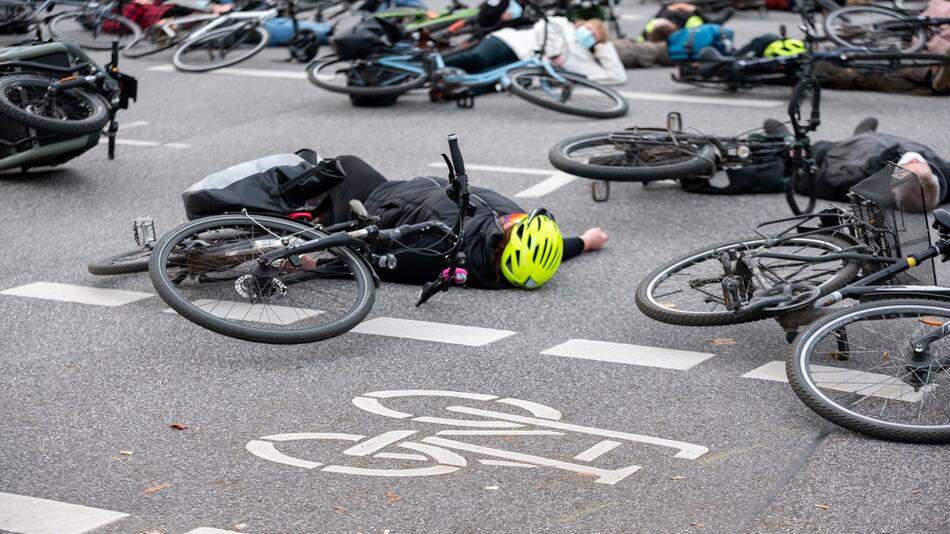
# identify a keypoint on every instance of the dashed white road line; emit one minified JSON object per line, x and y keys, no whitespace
{"x":428,"y":331}
{"x":78,"y":294}
{"x":251,"y":73}
{"x":31,"y":515}
{"x":555,"y":179}
{"x":846,"y":380}
{"x":628,"y":354}
{"x":712,"y":100}
{"x":151,"y":144}
{"x":209,"y":530}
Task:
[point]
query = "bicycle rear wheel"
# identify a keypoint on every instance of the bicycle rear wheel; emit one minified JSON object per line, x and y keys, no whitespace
{"x":94,"y":31}
{"x":634,"y":155}
{"x":858,"y":368}
{"x":875,"y":28}
{"x":688,"y":291}
{"x":26,"y":99}
{"x":575,"y":95}
{"x":221,"y":47}
{"x":207,"y":271}
{"x":133,"y":261}
{"x":365,"y":77}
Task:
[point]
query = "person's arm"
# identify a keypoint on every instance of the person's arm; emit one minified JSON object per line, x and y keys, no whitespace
{"x":612,"y":69}
{"x":557,"y":30}
{"x":573,"y":246}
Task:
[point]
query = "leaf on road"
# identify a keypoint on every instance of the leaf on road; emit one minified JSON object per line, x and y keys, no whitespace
{"x":392,"y":496}
{"x":126,"y":453}
{"x":916,"y":491}
{"x":153,"y":532}
{"x":677,"y":477}
{"x":823,"y":506}
{"x":697,"y":525}
{"x":158,"y":487}
{"x":721,"y":341}
{"x":178,"y":426}
{"x":341,"y":509}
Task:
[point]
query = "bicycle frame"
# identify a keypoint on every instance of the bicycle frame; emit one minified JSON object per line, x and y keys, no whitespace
{"x":499,"y":75}
{"x":219,"y":21}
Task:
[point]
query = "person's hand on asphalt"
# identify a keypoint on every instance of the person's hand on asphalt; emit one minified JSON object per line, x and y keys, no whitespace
{"x":594,"y":238}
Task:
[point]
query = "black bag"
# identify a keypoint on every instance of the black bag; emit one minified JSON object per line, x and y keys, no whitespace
{"x":765,"y":174}
{"x":369,"y":35}
{"x":278,"y":184}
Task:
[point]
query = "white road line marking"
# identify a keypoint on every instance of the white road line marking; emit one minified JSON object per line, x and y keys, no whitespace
{"x":629,"y":354}
{"x":690,"y":99}
{"x":537,"y":409}
{"x":378,"y":443}
{"x":495,"y":168}
{"x":505,"y":463}
{"x":401,"y":456}
{"x":79,"y":294}
{"x":597,"y":451}
{"x":257,"y":313}
{"x":209,"y":530}
{"x":552,"y":183}
{"x":136,"y":124}
{"x":30,"y":515}
{"x":631,"y":17}
{"x":426,"y":331}
{"x":151,"y":144}
{"x":251,"y":73}
{"x":498,"y":433}
{"x":846,"y":380}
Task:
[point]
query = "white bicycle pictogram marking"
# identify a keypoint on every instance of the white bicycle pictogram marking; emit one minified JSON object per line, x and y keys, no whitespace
{"x":439,"y":450}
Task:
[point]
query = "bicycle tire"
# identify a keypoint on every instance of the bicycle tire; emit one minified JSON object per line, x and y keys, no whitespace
{"x":19,"y":94}
{"x":325,"y":64}
{"x":152,"y":41}
{"x":560,"y":158}
{"x":917,"y":36}
{"x":667,"y":313}
{"x":130,"y":31}
{"x":890,"y":61}
{"x":176,"y":254}
{"x":617,"y":107}
{"x":132,"y":261}
{"x":211,"y":39}
{"x":816,"y":393}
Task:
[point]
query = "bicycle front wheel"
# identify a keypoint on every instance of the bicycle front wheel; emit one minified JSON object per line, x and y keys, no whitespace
{"x":575,"y":95}
{"x":635,"y":155}
{"x":220,"y":48}
{"x":858,"y":368}
{"x":153,"y":40}
{"x":365,"y":77}
{"x":207,"y":271}
{"x":133,"y":261}
{"x":875,"y":28}
{"x":94,"y":31}
{"x":689,"y":291}
{"x":26,"y":99}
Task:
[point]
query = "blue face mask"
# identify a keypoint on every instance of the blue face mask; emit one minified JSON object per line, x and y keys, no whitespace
{"x":585,"y":37}
{"x":514,"y":9}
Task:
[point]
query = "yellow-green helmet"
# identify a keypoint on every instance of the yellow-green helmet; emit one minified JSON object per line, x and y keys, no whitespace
{"x":785,"y":47}
{"x":534,"y":251}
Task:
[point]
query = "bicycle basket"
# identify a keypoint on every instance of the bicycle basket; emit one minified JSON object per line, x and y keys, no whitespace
{"x":893,"y":221}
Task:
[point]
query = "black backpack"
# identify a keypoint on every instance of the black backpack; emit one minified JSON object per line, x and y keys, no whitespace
{"x":370,"y":35}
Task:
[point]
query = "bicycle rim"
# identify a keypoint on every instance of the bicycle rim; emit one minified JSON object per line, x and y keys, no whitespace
{"x":363,"y":77}
{"x":93,"y":31}
{"x":874,"y":28}
{"x":572,"y":94}
{"x":858,"y":368}
{"x":207,"y":271}
{"x":221,"y":47}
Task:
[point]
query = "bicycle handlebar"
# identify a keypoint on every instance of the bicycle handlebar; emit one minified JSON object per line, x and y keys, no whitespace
{"x":457,"y":161}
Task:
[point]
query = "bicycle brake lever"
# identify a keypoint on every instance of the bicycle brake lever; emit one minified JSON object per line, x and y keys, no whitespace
{"x":448,"y":163}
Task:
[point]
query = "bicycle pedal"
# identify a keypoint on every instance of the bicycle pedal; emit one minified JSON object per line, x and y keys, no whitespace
{"x":465,"y":100}
{"x":143,"y":230}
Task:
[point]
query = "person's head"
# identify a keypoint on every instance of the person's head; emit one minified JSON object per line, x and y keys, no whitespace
{"x":909,"y":197}
{"x":530,"y":250}
{"x":493,"y":12}
{"x":659,"y":30}
{"x":596,"y":28}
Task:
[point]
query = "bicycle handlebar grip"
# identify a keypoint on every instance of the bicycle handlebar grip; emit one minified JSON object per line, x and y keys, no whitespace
{"x":456,"y":154}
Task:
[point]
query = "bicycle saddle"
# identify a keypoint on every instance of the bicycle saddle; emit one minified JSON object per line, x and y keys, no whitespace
{"x":942,"y":221}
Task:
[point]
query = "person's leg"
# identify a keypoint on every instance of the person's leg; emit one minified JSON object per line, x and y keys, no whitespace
{"x":359,"y":181}
{"x":486,"y":55}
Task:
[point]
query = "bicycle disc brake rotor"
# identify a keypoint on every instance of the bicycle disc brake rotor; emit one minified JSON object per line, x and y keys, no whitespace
{"x":259,"y":288}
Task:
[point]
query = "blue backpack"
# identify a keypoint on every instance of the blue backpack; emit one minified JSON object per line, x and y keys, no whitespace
{"x":685,"y":44}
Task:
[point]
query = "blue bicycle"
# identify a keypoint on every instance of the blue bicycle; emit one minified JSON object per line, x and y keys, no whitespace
{"x":534,"y":79}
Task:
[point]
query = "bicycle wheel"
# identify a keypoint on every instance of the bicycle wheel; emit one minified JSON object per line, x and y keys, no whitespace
{"x":891,"y":61}
{"x":688,"y":291}
{"x":875,"y":28}
{"x":153,"y":40}
{"x":365,"y":77}
{"x":26,"y":99}
{"x":207,"y":271}
{"x":634,"y":155}
{"x":576,"y":96}
{"x":858,"y":368}
{"x":221,"y":47}
{"x":132,"y":261}
{"x":94,"y":31}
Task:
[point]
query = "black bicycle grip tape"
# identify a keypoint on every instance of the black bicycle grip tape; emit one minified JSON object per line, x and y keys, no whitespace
{"x":456,"y":154}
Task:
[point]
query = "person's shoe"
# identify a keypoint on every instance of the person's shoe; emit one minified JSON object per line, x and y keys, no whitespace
{"x":867,"y":125}
{"x":775,"y":128}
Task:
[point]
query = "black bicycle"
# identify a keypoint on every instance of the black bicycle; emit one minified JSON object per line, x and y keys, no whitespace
{"x":273,"y":280}
{"x":674,"y":153}
{"x":879,"y":253}
{"x":881,"y":28}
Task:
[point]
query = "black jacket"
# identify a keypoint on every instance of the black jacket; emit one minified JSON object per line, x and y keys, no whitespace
{"x":425,"y":199}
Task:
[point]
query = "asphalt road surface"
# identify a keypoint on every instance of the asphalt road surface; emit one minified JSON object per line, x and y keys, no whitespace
{"x":683,"y":434}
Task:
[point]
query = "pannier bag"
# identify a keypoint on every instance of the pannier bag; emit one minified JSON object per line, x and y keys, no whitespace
{"x":369,"y":35}
{"x":278,"y":184}
{"x":685,"y":44}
